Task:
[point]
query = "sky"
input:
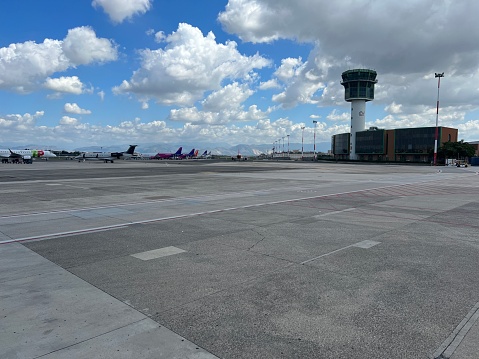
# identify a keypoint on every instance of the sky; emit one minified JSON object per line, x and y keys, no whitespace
{"x":105,"y":72}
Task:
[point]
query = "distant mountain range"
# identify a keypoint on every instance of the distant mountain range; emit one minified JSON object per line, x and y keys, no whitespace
{"x":216,"y":149}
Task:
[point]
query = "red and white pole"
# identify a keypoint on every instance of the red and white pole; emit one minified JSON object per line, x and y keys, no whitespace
{"x":437,"y":116}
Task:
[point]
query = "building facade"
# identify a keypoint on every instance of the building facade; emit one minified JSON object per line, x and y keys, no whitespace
{"x":398,"y":145}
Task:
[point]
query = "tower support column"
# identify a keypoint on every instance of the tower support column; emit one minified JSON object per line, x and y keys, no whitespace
{"x":358,"y":123}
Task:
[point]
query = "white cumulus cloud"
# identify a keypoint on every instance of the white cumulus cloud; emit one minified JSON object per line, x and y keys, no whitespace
{"x":229,"y":97}
{"x":24,"y":66}
{"x":270,"y":84}
{"x":335,"y":115}
{"x":119,"y":10}
{"x":68,"y":121}
{"x":405,"y":42}
{"x":289,"y":68}
{"x":190,"y":65}
{"x":70,"y":84}
{"x":81,"y":46}
{"x":74,"y":108}
{"x":13,"y":125}
{"x":221,"y":107}
{"x":402,"y":35}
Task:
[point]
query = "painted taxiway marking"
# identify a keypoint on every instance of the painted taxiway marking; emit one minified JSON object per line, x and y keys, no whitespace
{"x":64,"y":234}
{"x":364,"y":244}
{"x":158,"y":253}
{"x":186,"y":215}
{"x":206,"y":198}
{"x":335,"y":212}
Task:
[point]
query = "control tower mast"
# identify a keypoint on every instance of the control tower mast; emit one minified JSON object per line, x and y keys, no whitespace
{"x":358,"y":89}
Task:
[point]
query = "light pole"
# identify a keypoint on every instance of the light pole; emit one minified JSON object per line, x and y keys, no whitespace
{"x":314,"y":139}
{"x":438,"y":75}
{"x":283,"y":146}
{"x":288,"y":144}
{"x":302,"y":143}
{"x":274,"y":145}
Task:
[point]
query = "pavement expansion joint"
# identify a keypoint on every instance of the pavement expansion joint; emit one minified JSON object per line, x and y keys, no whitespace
{"x":447,"y":348}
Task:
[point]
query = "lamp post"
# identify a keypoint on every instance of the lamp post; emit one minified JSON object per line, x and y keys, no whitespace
{"x":282,"y":151}
{"x":438,"y":76}
{"x":302,"y":143}
{"x":314,"y":139}
{"x":288,"y":144}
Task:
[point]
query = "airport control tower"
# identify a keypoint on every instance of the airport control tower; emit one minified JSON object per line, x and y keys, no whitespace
{"x":358,"y":89}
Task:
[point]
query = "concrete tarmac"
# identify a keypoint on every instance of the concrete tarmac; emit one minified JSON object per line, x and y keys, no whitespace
{"x":205,"y":259}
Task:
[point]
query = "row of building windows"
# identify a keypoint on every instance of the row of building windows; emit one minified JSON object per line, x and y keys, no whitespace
{"x":352,"y":75}
{"x":414,"y":141}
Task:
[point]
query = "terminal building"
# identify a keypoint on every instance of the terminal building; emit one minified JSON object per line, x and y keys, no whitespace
{"x":374,"y":144}
{"x":398,"y":145}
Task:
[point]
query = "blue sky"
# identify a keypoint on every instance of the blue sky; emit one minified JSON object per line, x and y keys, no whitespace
{"x":105,"y":72}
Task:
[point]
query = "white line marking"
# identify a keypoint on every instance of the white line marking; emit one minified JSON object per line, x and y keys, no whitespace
{"x":158,"y":253}
{"x":335,"y":212}
{"x":65,"y":234}
{"x":364,"y":244}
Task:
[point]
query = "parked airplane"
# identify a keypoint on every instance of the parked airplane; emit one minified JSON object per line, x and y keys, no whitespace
{"x":206,"y":154}
{"x":106,"y":156}
{"x":188,"y":155}
{"x":165,"y":156}
{"x":24,"y":155}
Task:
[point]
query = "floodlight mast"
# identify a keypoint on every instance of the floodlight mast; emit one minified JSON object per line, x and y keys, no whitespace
{"x":302,"y":142}
{"x":438,"y":76}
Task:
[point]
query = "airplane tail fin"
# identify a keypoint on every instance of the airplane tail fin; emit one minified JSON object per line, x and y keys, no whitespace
{"x":205,"y":153}
{"x":178,"y":152}
{"x":192,"y":152}
{"x":131,"y":150}
{"x":13,"y":154}
{"x":196,"y":153}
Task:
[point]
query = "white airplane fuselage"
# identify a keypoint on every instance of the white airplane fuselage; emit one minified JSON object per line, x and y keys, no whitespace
{"x":106,"y":156}
{"x":26,"y":154}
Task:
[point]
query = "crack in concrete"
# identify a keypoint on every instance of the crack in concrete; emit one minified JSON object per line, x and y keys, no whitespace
{"x":258,"y":242}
